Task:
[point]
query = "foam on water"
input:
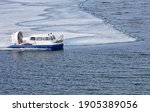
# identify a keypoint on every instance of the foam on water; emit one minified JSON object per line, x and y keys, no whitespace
{"x":63,"y":16}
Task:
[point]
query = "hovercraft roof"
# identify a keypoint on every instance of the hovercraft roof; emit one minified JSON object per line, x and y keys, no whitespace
{"x":39,"y":35}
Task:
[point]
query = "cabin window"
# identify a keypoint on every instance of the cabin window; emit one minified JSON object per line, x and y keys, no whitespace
{"x":46,"y":38}
{"x":32,"y":38}
{"x":39,"y":38}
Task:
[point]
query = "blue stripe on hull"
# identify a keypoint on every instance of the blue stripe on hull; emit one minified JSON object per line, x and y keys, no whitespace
{"x":47,"y":47}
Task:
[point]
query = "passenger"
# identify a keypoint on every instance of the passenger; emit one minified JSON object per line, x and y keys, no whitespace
{"x":52,"y":36}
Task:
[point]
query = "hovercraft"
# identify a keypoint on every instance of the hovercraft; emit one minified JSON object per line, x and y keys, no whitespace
{"x":37,"y":41}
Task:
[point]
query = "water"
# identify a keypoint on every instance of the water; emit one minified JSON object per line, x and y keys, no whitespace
{"x":61,"y":16}
{"x":106,"y":47}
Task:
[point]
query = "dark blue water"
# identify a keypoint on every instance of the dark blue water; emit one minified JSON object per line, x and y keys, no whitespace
{"x":118,"y":68}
